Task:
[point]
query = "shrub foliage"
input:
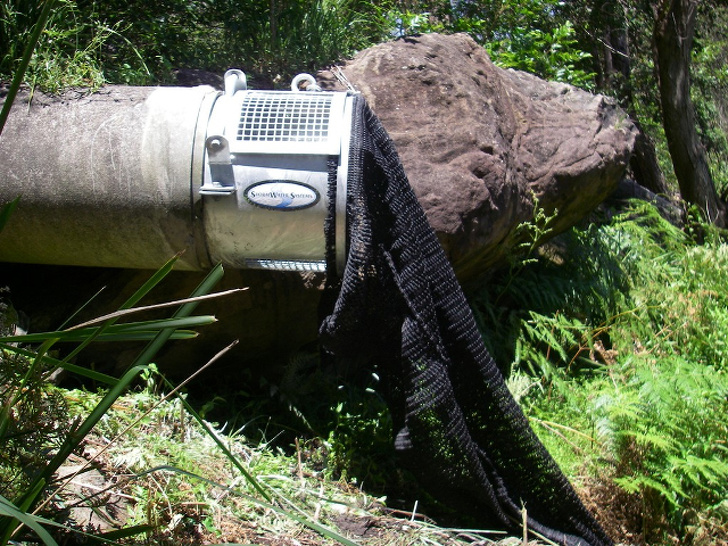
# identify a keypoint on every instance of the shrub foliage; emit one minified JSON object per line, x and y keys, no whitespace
{"x":624,"y":331}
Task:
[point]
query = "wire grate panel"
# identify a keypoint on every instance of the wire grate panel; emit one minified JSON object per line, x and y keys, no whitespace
{"x":286,"y":265}
{"x":277,"y":117}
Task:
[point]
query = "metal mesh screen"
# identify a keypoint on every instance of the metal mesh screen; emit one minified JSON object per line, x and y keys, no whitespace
{"x":274,"y":117}
{"x":286,"y":265}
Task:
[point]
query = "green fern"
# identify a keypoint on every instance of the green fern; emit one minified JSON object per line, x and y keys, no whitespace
{"x":641,"y":307}
{"x":547,"y":342}
{"x":668,"y":435}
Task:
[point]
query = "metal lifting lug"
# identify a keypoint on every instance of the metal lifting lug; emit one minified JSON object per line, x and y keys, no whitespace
{"x":311,"y":84}
{"x":218,"y":150}
{"x":221,"y":169}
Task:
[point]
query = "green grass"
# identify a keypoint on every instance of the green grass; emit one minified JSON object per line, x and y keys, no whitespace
{"x":36,"y":436}
{"x":89,"y":43}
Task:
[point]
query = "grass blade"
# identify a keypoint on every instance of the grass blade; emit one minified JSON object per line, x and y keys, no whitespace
{"x":141,"y":309}
{"x":8,"y":509}
{"x":81,"y":308}
{"x":113,"y":335}
{"x":113,"y":332}
{"x":162,"y":324}
{"x":153,"y":281}
{"x":207,"y":284}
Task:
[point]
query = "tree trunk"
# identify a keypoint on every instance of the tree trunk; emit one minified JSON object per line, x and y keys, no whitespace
{"x":673,"y":38}
{"x":612,"y":56}
{"x":645,"y":167}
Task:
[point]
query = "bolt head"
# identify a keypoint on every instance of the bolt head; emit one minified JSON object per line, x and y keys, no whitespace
{"x":215,"y":144}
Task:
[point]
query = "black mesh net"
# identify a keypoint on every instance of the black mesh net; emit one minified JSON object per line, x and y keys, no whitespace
{"x":399,"y":307}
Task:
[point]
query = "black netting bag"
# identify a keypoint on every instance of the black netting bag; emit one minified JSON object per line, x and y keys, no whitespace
{"x":399,"y":306}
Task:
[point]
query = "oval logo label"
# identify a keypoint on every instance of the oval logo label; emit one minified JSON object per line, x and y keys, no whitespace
{"x":282,"y":195}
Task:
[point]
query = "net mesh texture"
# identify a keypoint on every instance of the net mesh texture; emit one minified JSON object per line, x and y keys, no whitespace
{"x":399,"y":307}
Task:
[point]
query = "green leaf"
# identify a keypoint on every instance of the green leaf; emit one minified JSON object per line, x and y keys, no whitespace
{"x":8,"y":509}
{"x":117,"y":332}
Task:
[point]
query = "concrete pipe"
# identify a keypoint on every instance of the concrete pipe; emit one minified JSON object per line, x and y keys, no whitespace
{"x":129,"y":176}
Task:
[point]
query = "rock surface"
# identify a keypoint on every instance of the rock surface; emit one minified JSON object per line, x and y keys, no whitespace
{"x":480,"y":144}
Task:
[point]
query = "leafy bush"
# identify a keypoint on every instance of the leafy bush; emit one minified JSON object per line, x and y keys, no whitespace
{"x":625,"y":333}
{"x":553,"y":55}
{"x":67,"y":54}
{"x":90,"y":42}
{"x":280,"y":39}
{"x":523,"y":34}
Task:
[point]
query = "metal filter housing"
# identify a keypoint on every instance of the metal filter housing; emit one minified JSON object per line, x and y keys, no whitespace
{"x":274,"y":162}
{"x":130,"y":176}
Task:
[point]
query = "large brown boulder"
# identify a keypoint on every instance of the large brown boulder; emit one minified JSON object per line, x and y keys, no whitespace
{"x":481,"y":144}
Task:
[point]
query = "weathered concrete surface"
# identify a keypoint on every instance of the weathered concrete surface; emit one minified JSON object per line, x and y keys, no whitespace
{"x":105,"y":178}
